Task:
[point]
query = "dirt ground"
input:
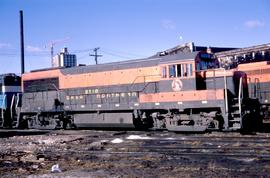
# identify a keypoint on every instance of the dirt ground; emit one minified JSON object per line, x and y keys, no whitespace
{"x":90,"y":153}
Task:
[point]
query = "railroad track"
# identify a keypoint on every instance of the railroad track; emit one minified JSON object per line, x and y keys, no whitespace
{"x":174,"y":154}
{"x":15,"y":132}
{"x":166,"y":144}
{"x":191,"y":146}
{"x":168,"y":153}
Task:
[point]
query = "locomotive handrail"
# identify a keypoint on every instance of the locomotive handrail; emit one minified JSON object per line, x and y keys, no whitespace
{"x":58,"y":96}
{"x":240,"y":93}
{"x":140,"y":76}
{"x":226,"y":92}
{"x":11,"y":106}
{"x":225,"y":84}
{"x":18,"y":100}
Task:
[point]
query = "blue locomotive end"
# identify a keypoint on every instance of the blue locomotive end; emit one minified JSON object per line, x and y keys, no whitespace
{"x":3,"y":101}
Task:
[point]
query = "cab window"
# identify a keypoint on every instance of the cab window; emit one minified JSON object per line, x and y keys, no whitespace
{"x":164,"y":72}
{"x":172,"y":72}
{"x":207,"y":61}
{"x":179,"y":70}
{"x":189,"y":70}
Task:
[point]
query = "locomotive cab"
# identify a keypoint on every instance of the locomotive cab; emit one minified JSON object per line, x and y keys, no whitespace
{"x":204,"y":62}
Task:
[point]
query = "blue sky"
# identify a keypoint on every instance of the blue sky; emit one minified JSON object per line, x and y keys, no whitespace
{"x":125,"y":29}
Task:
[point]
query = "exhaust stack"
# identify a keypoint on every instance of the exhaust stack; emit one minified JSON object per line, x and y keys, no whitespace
{"x":22,"y":42}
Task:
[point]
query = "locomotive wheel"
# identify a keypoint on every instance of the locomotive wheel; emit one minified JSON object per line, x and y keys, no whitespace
{"x":41,"y":122}
{"x":250,"y":122}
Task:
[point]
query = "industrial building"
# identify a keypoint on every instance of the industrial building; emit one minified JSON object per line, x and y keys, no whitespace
{"x":64,"y":59}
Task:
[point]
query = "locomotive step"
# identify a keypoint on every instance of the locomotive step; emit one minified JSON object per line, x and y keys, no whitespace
{"x":236,"y":125}
{"x":235,"y":120}
{"x":236,"y":105}
{"x":234,"y":128}
{"x":182,"y":128}
{"x":236,"y":112}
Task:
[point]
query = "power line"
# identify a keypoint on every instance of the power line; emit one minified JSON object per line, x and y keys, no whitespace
{"x":84,"y":56}
{"x":116,"y":55}
{"x":124,"y":53}
{"x":17,"y":54}
{"x":119,"y":54}
{"x":82,"y":50}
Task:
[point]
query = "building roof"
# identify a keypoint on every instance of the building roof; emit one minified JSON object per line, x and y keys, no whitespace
{"x":190,"y":47}
{"x":241,"y":51}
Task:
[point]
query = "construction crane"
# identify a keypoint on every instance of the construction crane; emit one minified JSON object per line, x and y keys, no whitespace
{"x":53,"y":43}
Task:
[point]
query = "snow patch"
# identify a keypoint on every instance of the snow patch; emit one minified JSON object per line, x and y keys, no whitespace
{"x":47,"y":142}
{"x":249,"y":160}
{"x":117,"y":140}
{"x":138,"y":137}
{"x":55,"y":168}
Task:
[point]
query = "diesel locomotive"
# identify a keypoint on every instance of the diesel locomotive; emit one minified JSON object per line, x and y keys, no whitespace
{"x":180,"y":92}
{"x":186,"y":91}
{"x":10,"y":94}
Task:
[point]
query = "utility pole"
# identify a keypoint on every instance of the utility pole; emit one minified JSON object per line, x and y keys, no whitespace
{"x":96,"y":55}
{"x":22,"y":41}
{"x":52,"y":44}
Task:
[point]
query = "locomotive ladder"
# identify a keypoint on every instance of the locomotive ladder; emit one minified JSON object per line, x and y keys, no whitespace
{"x":236,"y":110}
{"x":15,"y":110}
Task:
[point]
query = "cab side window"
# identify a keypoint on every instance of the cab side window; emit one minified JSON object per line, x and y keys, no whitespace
{"x":164,"y":72}
{"x":189,"y":70}
{"x":172,"y":71}
{"x":179,"y":70}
